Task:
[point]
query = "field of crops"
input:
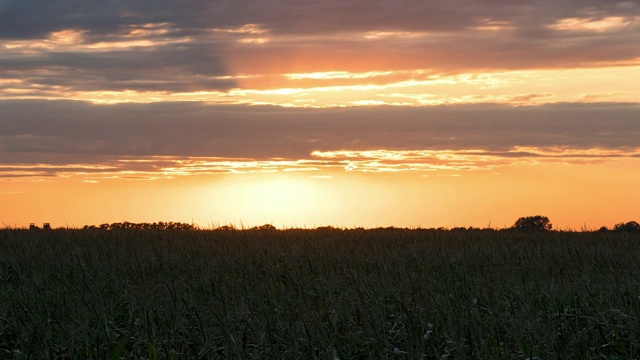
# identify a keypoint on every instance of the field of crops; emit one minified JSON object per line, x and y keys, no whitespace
{"x":325,"y":294}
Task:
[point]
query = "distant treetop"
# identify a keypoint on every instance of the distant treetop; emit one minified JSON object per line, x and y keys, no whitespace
{"x":630,"y":226}
{"x":533,"y":223}
{"x":144,"y":226}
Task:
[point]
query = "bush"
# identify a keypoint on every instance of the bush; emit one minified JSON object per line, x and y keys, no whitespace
{"x":630,"y":226}
{"x":533,"y":223}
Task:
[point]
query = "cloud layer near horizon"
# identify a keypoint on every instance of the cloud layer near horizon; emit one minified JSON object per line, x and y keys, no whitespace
{"x":44,"y":137}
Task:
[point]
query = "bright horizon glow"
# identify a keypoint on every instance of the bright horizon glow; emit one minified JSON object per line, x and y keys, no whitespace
{"x":335,"y":198}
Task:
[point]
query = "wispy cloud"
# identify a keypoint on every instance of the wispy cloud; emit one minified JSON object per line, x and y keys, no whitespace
{"x":381,"y":160}
{"x":436,"y":160}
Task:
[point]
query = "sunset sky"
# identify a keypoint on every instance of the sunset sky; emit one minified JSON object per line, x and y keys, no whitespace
{"x":304,"y":113}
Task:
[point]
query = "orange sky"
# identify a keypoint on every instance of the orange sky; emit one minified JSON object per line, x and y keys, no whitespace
{"x":573,"y":196}
{"x":320,"y":113}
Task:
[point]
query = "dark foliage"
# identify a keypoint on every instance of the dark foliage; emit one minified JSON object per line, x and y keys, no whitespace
{"x":318,"y":294}
{"x":144,"y":226}
{"x":630,"y":226}
{"x":533,"y":223}
{"x":265,"y":227}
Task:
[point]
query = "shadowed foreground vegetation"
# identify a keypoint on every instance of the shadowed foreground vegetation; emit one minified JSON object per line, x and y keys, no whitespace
{"x":326,"y":293}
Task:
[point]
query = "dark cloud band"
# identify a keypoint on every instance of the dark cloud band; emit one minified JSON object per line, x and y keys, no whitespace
{"x":70,"y":129}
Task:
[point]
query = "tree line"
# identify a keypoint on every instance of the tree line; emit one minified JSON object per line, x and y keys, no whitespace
{"x":542,"y":223}
{"x":144,"y":226}
{"x":527,"y":223}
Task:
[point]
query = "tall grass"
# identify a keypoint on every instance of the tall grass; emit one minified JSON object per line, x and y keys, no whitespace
{"x":322,"y":294}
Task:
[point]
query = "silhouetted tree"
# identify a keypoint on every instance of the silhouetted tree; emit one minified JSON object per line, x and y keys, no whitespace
{"x":630,"y":226}
{"x":265,"y":227}
{"x":533,"y":223}
{"x":327,"y":229}
{"x":226,"y":228}
{"x":145,"y":226}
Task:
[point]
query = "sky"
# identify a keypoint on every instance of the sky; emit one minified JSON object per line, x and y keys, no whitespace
{"x":320,"y":113}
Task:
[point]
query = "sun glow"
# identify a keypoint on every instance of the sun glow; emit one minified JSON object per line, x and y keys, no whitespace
{"x":274,"y":198}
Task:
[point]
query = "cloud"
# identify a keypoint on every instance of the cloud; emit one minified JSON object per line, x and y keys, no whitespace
{"x":443,"y":36}
{"x":50,"y":137}
{"x":310,"y":53}
{"x":71,"y":62}
{"x":56,"y":49}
